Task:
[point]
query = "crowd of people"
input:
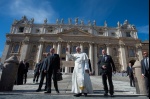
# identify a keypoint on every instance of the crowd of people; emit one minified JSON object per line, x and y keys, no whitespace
{"x":81,"y":82}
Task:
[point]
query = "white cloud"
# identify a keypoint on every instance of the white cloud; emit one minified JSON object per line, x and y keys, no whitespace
{"x":32,"y":9}
{"x":143,"y":29}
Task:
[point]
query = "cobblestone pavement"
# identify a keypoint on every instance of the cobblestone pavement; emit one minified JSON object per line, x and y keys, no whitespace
{"x":28,"y":91}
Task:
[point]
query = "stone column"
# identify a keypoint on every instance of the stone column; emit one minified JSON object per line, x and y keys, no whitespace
{"x":123,"y":57}
{"x":95,"y":59}
{"x":59,"y":48}
{"x":55,"y":46}
{"x":24,"y":50}
{"x":9,"y":74}
{"x":120,"y":33}
{"x":91,"y":55}
{"x":81,"y":46}
{"x":139,"y":80}
{"x":39,"y":55}
{"x":106,"y":32}
{"x":30,"y":29}
{"x":139,"y":52}
{"x":67,"y":59}
{"x":43,"y":30}
{"x":136,"y":36}
{"x":6,"y":51}
{"x":13,"y":30}
{"x":108,"y":49}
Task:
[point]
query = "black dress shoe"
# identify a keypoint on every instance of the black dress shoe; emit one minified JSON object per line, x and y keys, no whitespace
{"x":111,"y":95}
{"x":48,"y":92}
{"x":38,"y":90}
{"x":105,"y":94}
{"x":85,"y":94}
{"x":57,"y":91}
{"x":78,"y":95}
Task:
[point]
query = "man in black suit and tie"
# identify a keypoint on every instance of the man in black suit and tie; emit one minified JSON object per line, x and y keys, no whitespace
{"x":42,"y":74}
{"x":130,"y":74}
{"x":51,"y":68}
{"x":107,"y":67}
{"x":145,"y":70}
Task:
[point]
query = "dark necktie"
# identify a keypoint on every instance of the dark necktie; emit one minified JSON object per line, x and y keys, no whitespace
{"x":103,"y":58}
{"x":131,"y":68}
{"x":147,"y":64}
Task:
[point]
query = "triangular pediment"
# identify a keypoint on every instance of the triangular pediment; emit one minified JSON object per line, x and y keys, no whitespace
{"x":75,"y":32}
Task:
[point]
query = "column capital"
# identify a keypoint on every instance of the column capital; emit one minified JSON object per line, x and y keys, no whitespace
{"x":41,"y":42}
{"x":68,"y":43}
{"x":91,"y":43}
{"x":139,"y":46}
{"x":25,"y":42}
{"x":108,"y":45}
{"x":122,"y":45}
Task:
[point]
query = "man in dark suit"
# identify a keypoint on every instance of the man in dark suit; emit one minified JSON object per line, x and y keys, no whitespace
{"x":107,"y":67}
{"x":26,"y":71}
{"x":130,"y":74}
{"x":145,"y":70}
{"x":90,"y":66}
{"x":37,"y":72}
{"x":20,"y":73}
{"x":42,"y":74}
{"x":51,"y":68}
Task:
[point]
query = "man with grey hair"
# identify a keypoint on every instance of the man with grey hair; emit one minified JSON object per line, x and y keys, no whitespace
{"x":81,"y":82}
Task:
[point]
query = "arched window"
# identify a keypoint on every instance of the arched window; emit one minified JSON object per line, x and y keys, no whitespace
{"x":48,"y":49}
{"x":63,"y":50}
{"x":74,"y":49}
{"x":86,"y":50}
{"x":16,"y":48}
{"x":131,"y":53}
{"x":34,"y":48}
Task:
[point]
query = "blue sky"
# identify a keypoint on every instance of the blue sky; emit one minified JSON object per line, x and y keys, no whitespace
{"x":112,"y":11}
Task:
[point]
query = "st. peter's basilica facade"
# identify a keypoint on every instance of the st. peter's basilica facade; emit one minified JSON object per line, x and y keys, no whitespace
{"x":29,"y":41}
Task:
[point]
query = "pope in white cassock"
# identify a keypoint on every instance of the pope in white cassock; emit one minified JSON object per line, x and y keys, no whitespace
{"x":81,"y":82}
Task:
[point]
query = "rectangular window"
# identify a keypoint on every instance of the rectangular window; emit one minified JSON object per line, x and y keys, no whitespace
{"x":101,"y":33}
{"x":128,"y":34}
{"x":113,"y":34}
{"x":21,"y":29}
